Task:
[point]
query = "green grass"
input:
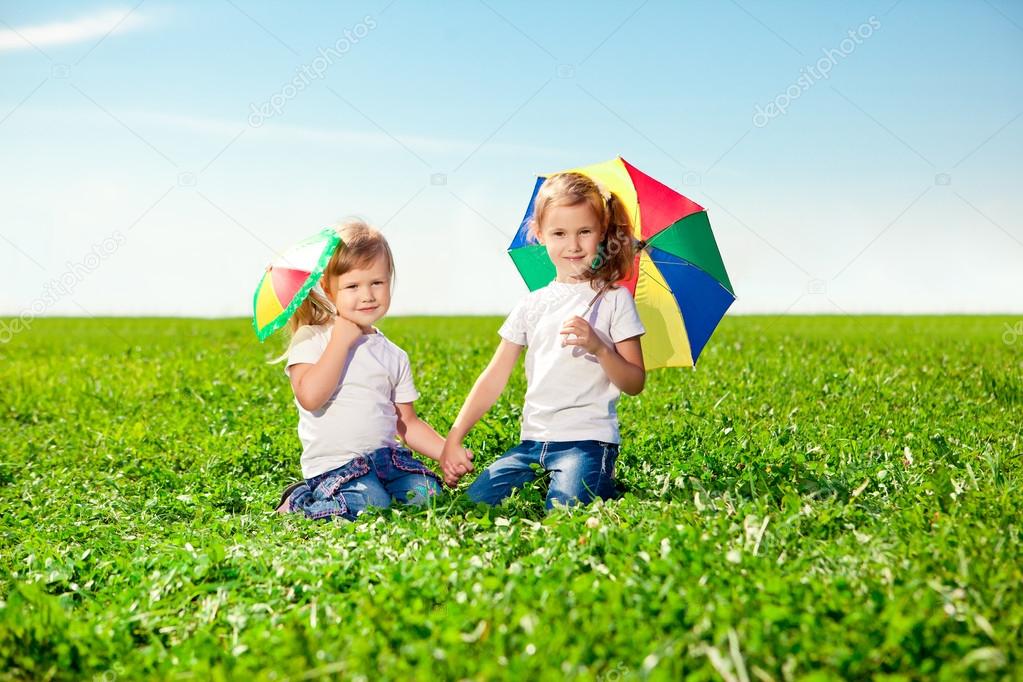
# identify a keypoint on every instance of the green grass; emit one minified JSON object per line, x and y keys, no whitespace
{"x":823,"y":498}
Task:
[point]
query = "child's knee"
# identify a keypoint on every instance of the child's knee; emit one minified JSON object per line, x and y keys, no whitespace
{"x":496,"y":482}
{"x":422,"y":491}
{"x":569,"y":493}
{"x":359,"y":501}
{"x":580,"y":478}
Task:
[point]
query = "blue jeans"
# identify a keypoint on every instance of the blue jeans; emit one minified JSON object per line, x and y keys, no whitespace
{"x":367,"y":481}
{"x":580,"y":471}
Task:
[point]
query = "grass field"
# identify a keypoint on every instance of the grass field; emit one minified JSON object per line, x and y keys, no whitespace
{"x":823,"y":498}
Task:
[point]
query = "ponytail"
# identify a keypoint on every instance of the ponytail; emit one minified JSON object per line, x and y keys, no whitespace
{"x":616,"y":252}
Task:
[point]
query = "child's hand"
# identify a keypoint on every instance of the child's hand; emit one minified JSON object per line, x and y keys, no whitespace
{"x":455,"y":462}
{"x":583,"y":334}
{"x":346,"y":331}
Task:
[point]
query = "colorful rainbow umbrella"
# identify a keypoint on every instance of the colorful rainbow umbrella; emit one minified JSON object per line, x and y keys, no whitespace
{"x":288,"y":280}
{"x":679,"y":281}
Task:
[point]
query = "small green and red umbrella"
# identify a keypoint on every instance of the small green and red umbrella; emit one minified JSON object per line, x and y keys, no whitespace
{"x":288,"y":280}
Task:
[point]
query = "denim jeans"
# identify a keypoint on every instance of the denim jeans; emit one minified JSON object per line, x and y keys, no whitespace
{"x":579,"y":471}
{"x":368,"y":481}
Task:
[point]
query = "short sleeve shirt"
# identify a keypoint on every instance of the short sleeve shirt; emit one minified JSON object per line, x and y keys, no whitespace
{"x":568,"y":395}
{"x":360,"y":415}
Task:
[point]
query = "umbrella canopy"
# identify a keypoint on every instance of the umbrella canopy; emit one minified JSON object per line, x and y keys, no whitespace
{"x":288,"y":280}
{"x":678,"y":279}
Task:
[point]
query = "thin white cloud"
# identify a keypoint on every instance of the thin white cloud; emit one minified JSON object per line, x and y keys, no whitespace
{"x":294,"y":133}
{"x":86,"y":28}
{"x":287,"y":133}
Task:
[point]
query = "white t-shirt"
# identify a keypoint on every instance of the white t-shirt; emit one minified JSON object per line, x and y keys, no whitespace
{"x":359,"y":416}
{"x":568,"y":394}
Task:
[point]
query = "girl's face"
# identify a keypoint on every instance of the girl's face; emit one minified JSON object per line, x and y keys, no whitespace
{"x":363,"y":295}
{"x":572,"y":238}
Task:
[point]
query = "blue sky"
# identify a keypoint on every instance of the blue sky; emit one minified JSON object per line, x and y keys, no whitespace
{"x":134,"y":180}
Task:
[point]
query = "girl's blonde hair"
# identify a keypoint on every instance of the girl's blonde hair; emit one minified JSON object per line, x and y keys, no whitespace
{"x":616,"y":253}
{"x":360,"y":246}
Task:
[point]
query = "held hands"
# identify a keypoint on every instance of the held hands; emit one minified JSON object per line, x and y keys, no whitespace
{"x":578,"y":332}
{"x":455,"y":462}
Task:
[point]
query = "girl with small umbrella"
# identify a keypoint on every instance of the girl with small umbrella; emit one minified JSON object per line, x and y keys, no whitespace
{"x":582,"y":334}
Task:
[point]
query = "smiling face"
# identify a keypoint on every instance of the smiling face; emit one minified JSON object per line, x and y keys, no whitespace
{"x":363,"y":295}
{"x":572,"y":237}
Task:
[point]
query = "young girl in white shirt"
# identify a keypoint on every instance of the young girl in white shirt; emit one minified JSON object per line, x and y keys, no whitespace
{"x":582,"y":335}
{"x":354,"y":391}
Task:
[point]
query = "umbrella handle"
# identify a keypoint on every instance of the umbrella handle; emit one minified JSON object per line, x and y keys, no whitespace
{"x":594,"y":300}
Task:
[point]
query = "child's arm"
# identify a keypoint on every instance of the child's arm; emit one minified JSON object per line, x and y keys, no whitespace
{"x":417,"y":434}
{"x":313,"y":384}
{"x":623,"y":362}
{"x":624,"y":365}
{"x":454,"y":461}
